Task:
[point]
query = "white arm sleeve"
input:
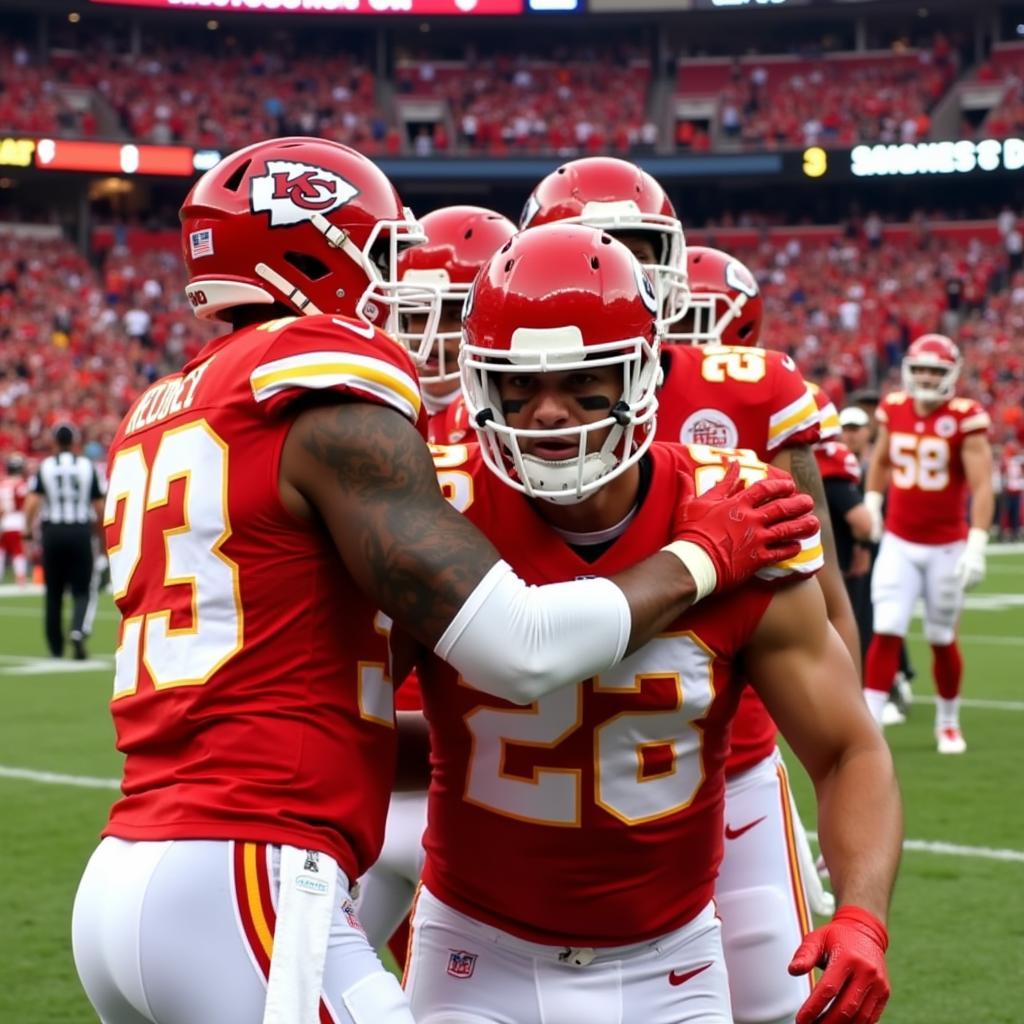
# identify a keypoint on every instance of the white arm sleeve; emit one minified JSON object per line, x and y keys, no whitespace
{"x":520,"y":642}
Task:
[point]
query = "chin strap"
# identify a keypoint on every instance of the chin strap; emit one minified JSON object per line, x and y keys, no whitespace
{"x":294,"y":296}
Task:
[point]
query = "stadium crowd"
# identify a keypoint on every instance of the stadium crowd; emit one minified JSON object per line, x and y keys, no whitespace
{"x":78,"y":340}
{"x":579,"y":99}
{"x":582,"y":101}
{"x":841,"y":100}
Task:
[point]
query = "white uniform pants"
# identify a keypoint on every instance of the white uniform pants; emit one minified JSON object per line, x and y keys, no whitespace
{"x":180,"y":932}
{"x":904,"y":572}
{"x":464,"y":972}
{"x":760,"y":895}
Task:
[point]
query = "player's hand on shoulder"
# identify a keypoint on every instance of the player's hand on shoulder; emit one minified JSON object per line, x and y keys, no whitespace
{"x":854,"y":985}
{"x":744,"y":529}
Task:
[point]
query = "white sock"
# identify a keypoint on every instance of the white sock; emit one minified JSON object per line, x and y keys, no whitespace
{"x":875,"y":700}
{"x":947,"y":713}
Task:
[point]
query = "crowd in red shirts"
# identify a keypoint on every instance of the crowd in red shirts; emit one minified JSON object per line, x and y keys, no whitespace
{"x":577,"y":102}
{"x":770,"y":102}
{"x":78,"y":343}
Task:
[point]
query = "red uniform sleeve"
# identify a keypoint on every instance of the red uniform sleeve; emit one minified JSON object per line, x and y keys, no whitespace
{"x":837,"y":462}
{"x":882,"y":411}
{"x":793,"y":417}
{"x":805,"y":564}
{"x":971,"y":416}
{"x":324,"y":353}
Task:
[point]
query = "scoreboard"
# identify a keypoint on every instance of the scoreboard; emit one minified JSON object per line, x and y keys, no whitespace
{"x":377,"y":7}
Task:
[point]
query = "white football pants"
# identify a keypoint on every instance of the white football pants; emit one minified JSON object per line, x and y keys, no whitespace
{"x":904,"y":572}
{"x":464,"y":972}
{"x":180,"y":932}
{"x":761,"y":896}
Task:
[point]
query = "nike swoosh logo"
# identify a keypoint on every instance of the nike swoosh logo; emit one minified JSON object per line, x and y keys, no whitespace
{"x":735,"y":833}
{"x":680,"y":978}
{"x":366,"y":331}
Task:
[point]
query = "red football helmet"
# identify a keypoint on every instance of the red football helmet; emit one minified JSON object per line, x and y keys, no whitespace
{"x":725,"y":302}
{"x":927,"y":354}
{"x":605,"y":192}
{"x":460,"y":240}
{"x":558,"y":298}
{"x":305,"y":222}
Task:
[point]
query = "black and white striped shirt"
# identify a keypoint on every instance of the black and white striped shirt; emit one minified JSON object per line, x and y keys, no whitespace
{"x":69,"y":483}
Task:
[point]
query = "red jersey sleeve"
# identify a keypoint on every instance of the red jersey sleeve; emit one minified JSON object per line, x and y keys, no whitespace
{"x":970,"y":415}
{"x":709,"y":465}
{"x":325,"y":353}
{"x":882,"y":411}
{"x":828,"y":415}
{"x":836,"y":461}
{"x":805,"y":564}
{"x":793,"y":417}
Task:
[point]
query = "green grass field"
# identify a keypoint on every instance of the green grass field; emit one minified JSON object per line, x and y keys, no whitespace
{"x":957,"y":925}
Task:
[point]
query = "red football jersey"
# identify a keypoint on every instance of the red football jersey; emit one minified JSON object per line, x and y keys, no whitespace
{"x":737,"y":397}
{"x":13,"y":490}
{"x":603,"y":800}
{"x":927,"y":497}
{"x":450,"y":425}
{"x":251,"y":698}
{"x":836,"y":461}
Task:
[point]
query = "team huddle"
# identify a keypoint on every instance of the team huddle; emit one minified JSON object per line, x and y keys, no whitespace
{"x":601,"y":592}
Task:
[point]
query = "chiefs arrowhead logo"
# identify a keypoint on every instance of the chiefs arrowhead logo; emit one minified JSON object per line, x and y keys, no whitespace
{"x":291,"y":192}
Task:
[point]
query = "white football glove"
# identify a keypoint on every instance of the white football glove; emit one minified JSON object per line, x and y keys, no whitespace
{"x":873,"y":503}
{"x":970,"y":566}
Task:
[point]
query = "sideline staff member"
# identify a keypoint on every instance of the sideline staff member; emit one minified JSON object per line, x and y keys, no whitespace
{"x":67,"y":491}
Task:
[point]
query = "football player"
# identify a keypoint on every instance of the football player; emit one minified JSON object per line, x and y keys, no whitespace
{"x":932,"y":453}
{"x":13,"y":491}
{"x":459,"y":241}
{"x":263,"y":504}
{"x":719,"y":390}
{"x":616,"y":195}
{"x":604,"y":801}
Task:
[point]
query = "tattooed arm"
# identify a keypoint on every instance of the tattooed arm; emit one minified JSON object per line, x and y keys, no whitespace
{"x":800,"y":463}
{"x":365,"y":471}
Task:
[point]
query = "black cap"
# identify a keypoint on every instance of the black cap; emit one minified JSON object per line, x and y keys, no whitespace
{"x":865,"y":396}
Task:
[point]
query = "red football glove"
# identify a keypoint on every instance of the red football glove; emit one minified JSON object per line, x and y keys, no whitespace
{"x":854,"y":987}
{"x":746,"y":529}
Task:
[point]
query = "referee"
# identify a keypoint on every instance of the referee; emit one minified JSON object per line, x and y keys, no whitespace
{"x":66,"y":495}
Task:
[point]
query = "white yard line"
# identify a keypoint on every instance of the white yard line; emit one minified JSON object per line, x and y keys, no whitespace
{"x":915,"y":845}
{"x":56,"y":779}
{"x":974,"y":702}
{"x":956,"y":850}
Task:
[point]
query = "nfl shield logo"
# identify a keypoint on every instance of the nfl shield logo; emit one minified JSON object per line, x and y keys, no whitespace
{"x":461,"y":963}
